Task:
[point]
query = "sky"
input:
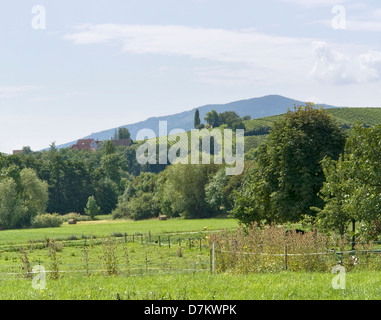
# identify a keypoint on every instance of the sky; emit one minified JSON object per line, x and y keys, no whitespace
{"x":70,"y":68}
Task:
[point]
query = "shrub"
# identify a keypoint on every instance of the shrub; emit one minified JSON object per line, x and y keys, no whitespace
{"x":140,"y":207}
{"x":92,"y":209}
{"x":76,"y":216}
{"x":47,"y":221}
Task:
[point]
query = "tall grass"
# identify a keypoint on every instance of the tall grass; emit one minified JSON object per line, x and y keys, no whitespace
{"x":273,"y":249}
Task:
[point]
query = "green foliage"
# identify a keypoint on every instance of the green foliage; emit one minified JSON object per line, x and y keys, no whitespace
{"x":12,"y":212}
{"x":70,"y":183}
{"x":212,"y":118}
{"x":229,"y":118}
{"x":353,"y":188}
{"x":232,"y":120}
{"x":34,"y":192}
{"x":284,"y":185}
{"x":197,"y":121}
{"x":335,"y":190}
{"x":113,"y":167}
{"x":109,"y":147}
{"x":219,"y":192}
{"x":186,"y":186}
{"x":143,"y":206}
{"x":76,"y":216}
{"x":92,"y":209}
{"x":123,"y":133}
{"x":47,"y":220}
{"x":106,"y":194}
{"x":22,"y":196}
{"x":138,"y":201}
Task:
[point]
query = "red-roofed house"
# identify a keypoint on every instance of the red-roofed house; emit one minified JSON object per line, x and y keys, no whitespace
{"x":86,"y":144}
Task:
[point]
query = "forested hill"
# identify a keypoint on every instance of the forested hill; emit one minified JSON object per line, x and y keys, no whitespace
{"x":255,"y":108}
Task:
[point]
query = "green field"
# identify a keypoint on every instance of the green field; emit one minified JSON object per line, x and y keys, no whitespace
{"x":281,"y":286}
{"x":138,"y":267}
{"x":104,"y":228}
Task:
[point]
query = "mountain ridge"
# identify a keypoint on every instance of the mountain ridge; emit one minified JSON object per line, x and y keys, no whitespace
{"x":254,"y":107}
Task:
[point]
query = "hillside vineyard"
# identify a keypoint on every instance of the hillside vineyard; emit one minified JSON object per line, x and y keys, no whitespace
{"x":178,"y":152}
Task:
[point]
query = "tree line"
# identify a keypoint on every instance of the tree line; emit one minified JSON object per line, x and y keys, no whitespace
{"x":307,"y":170}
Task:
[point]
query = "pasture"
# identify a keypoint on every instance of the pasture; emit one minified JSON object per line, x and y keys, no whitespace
{"x":149,"y":260}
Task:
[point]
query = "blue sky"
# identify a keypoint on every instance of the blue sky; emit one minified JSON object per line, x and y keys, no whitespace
{"x":103,"y":64}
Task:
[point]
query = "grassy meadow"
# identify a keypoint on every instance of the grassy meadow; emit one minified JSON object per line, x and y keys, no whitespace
{"x":93,"y":260}
{"x":205,"y":286}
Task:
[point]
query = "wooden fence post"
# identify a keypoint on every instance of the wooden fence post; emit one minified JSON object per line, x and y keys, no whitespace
{"x":285,"y":257}
{"x":214,"y":259}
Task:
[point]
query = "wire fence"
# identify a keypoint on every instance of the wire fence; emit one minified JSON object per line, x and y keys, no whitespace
{"x":153,"y":262}
{"x":185,"y":239}
{"x":218,"y":262}
{"x":150,"y":265}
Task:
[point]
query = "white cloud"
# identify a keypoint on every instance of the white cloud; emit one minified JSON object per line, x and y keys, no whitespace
{"x":266,"y":53}
{"x":337,"y":68}
{"x":377,"y":13}
{"x":7,"y":92}
{"x":244,"y":56}
{"x":316,"y":3}
{"x":369,"y":26}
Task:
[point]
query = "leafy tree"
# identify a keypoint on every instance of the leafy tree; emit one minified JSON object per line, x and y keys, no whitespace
{"x":353,"y":188}
{"x":197,"y":120}
{"x":138,"y":200}
{"x":34,"y":193}
{"x":186,"y":184}
{"x":289,"y":175}
{"x":26,"y":150}
{"x":212,"y":119}
{"x":12,"y":212}
{"x":70,"y":184}
{"x":106,"y":193}
{"x":92,"y":209}
{"x":113,"y":166}
{"x":123,"y":133}
{"x":109,"y":147}
{"x":231,"y":119}
{"x":215,"y":194}
{"x":335,"y":191}
{"x":144,"y":206}
{"x":21,"y":198}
